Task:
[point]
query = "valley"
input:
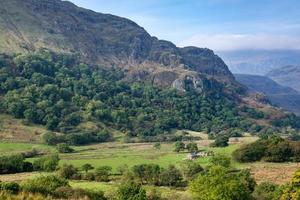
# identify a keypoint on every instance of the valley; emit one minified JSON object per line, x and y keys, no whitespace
{"x":93,"y":107}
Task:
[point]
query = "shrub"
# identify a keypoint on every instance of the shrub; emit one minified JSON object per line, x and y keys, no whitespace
{"x":64,"y":148}
{"x":14,"y":164}
{"x":122,"y":169}
{"x":44,"y":184}
{"x":273,"y":149}
{"x":221,"y":160}
{"x":251,"y":152}
{"x":265,"y":191}
{"x":46,"y":163}
{"x":51,"y":138}
{"x":192,"y":147}
{"x":70,"y":193}
{"x":12,"y":187}
{"x":69,"y":172}
{"x":102,"y":173}
{"x":191,"y":169}
{"x":131,"y":191}
{"x":157,"y":146}
{"x":219,"y":183}
{"x":171,"y":176}
{"x":179,"y":146}
{"x":220,"y":141}
{"x":89,"y":176}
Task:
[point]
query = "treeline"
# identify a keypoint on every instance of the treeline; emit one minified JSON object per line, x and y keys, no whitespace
{"x":272,"y":149}
{"x":82,"y":138}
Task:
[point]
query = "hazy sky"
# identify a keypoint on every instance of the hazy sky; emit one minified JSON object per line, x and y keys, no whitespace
{"x":217,"y":24}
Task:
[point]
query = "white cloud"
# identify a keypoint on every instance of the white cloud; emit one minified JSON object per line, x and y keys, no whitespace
{"x":221,"y":42}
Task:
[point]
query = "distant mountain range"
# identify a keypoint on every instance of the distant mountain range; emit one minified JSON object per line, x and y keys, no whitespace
{"x":279,"y":95}
{"x":287,"y":76}
{"x":259,"y":62}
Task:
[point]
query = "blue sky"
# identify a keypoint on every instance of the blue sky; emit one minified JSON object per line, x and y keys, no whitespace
{"x":216,"y":24}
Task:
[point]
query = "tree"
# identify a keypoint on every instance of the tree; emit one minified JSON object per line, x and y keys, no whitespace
{"x":192,"y":147}
{"x":171,"y":176}
{"x":86,"y":167}
{"x":219,"y":183}
{"x":220,"y":141}
{"x":179,"y":146}
{"x":147,"y":173}
{"x":191,"y":169}
{"x":69,"y":172}
{"x":131,"y":191}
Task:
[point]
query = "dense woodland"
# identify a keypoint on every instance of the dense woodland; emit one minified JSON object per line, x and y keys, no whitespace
{"x":59,"y":92}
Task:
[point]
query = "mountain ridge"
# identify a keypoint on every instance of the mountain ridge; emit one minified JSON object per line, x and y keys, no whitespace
{"x":288,"y":76}
{"x":279,"y":95}
{"x":105,"y":40}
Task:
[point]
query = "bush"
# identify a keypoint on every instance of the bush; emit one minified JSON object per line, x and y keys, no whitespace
{"x":221,"y":160}
{"x":171,"y":176}
{"x":220,"y":183}
{"x":102,"y":173}
{"x":51,"y":138}
{"x":265,"y":191}
{"x":220,"y":141}
{"x":273,"y":149}
{"x":122,"y":169}
{"x":70,"y":193}
{"x":89,"y":176}
{"x":45,"y":185}
{"x":14,"y":164}
{"x":12,"y":187}
{"x":46,"y":163}
{"x":69,"y":172}
{"x":157,"y":146}
{"x":179,"y":146}
{"x":251,"y":152}
{"x":192,"y":147}
{"x":131,"y":191}
{"x":64,"y":148}
{"x":191,"y":169}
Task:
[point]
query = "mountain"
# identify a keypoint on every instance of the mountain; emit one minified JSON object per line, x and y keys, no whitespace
{"x":259,"y":62}
{"x":106,"y":40}
{"x":288,"y":76}
{"x":279,"y":95}
{"x":63,"y":67}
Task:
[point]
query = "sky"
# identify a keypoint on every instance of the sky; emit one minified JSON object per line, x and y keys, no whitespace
{"x":217,"y":24}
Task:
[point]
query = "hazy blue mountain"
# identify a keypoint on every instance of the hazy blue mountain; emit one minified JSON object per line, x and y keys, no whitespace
{"x":259,"y":62}
{"x":288,"y":76}
{"x":279,"y":95}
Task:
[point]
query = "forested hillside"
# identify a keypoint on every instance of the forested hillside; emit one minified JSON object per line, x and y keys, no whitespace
{"x":59,"y":92}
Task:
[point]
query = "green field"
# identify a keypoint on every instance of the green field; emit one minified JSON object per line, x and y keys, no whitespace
{"x":115,"y":154}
